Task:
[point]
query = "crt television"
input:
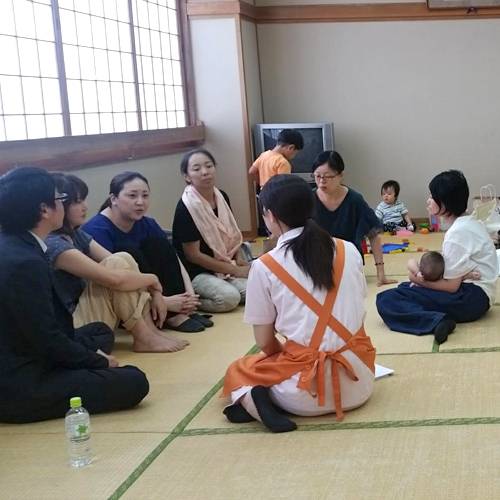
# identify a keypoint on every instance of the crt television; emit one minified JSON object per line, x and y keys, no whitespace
{"x":318,"y":137}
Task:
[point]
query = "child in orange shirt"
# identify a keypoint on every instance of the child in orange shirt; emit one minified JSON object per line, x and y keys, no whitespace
{"x":277,"y":161}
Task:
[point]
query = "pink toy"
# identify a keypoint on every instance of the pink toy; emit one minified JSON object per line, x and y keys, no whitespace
{"x":434,"y":222}
{"x":404,"y":232}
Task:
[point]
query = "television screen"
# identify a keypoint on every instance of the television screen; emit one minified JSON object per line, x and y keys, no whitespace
{"x":313,"y":145}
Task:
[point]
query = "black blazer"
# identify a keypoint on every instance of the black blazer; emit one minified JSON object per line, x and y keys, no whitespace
{"x":32,"y":341}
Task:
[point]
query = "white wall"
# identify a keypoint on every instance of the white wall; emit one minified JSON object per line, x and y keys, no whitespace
{"x":408,"y":99}
{"x":252,"y":74}
{"x":219,"y":104}
{"x":164,"y":179}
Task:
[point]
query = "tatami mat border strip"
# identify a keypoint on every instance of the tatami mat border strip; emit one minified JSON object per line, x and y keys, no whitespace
{"x":344,"y":426}
{"x":176,"y":432}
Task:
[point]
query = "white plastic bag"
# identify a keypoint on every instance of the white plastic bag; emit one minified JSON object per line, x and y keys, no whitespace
{"x":487,"y":212}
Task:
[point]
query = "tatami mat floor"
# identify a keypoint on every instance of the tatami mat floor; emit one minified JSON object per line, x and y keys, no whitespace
{"x":430,"y":431}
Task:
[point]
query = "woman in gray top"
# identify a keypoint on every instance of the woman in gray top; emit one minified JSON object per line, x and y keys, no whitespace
{"x":95,"y":285}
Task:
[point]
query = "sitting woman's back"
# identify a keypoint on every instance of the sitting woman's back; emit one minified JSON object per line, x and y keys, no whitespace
{"x":310,"y":289}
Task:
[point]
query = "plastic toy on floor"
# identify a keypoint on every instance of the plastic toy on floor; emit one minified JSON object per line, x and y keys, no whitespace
{"x":394,"y":247}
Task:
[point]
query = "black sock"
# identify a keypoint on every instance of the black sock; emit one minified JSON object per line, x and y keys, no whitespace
{"x":237,"y":414}
{"x":443,"y":329}
{"x":273,"y":420}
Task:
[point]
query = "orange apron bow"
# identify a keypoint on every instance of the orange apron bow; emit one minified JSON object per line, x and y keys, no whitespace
{"x":308,"y":360}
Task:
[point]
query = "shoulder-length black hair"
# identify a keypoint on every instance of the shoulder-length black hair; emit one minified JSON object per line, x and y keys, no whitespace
{"x":291,"y":201}
{"x":450,"y":189}
{"x":118,"y":183}
{"x":332,"y":159}
{"x":76,"y":190}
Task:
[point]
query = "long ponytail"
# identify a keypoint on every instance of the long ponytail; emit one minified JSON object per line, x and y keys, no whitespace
{"x":291,"y":201}
{"x":313,"y":251}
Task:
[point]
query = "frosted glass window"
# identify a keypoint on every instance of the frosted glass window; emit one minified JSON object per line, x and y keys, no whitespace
{"x":120,"y":121}
{"x":15,"y":128}
{"x":33,"y":101}
{"x":12,"y":95}
{"x":99,"y":85}
{"x":9,"y":58}
{"x":36,"y":127}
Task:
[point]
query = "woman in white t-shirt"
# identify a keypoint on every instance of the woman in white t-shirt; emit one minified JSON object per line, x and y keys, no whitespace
{"x":435,"y":307}
{"x":326,"y":364}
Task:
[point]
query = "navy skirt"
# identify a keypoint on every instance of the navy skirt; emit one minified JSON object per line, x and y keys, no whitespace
{"x":418,"y":310}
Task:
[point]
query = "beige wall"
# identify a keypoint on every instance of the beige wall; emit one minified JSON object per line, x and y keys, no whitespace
{"x":408,"y":99}
{"x":252,"y":74}
{"x":261,"y":3}
{"x":164,"y":179}
{"x":219,"y":104}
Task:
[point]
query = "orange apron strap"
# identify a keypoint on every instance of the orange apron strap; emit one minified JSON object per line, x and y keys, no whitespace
{"x":324,"y":312}
{"x":291,"y":283}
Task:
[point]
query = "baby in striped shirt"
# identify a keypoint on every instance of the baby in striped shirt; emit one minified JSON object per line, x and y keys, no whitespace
{"x":392,"y":212}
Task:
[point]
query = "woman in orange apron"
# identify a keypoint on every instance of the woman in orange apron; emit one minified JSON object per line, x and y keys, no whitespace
{"x":310,"y":289}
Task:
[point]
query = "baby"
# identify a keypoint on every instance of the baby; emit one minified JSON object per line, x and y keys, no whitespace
{"x":431,"y":268}
{"x":392,"y":212}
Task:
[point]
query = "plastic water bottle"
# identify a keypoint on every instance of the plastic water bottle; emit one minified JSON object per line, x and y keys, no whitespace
{"x":78,"y":433}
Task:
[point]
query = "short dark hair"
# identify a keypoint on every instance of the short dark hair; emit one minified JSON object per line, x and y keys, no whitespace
{"x":76,"y":190}
{"x":332,"y":159}
{"x":22,"y":192}
{"x":291,"y":201}
{"x":394,"y":185}
{"x":118,"y":183}
{"x":450,"y":189}
{"x":432,"y":266}
{"x":291,"y":137}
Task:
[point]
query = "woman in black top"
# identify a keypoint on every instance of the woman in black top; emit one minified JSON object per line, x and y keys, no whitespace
{"x":219,"y":281}
{"x":343,"y":212}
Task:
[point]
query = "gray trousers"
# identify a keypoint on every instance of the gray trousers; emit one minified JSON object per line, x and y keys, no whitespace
{"x":218,"y":295}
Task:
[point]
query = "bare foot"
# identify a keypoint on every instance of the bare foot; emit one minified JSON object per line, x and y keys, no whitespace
{"x":168,"y":336}
{"x":155,"y":343}
{"x":177,"y":320}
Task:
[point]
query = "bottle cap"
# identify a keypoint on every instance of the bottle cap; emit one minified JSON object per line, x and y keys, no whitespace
{"x":75,"y":402}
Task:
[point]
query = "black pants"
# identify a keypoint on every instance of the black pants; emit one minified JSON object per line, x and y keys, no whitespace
{"x":45,"y":393}
{"x":157,"y":256}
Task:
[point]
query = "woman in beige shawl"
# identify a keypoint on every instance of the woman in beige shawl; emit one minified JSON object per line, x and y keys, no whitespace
{"x":207,"y":238}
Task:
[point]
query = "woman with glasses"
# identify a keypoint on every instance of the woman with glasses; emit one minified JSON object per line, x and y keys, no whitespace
{"x":95,"y":285}
{"x":343,"y":212}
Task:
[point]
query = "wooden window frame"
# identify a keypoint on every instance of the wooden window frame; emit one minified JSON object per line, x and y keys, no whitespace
{"x":73,"y":152}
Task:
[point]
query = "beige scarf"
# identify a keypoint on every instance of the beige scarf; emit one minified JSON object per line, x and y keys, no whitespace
{"x":221,"y":233}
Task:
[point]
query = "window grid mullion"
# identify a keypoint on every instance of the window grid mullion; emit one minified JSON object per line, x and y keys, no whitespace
{"x":134,"y":65}
{"x":20,"y":73}
{"x":61,"y":69}
{"x":95,"y":68}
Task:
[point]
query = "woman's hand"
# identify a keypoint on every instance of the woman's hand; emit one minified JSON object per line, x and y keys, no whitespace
{"x":241,"y":271}
{"x":416,"y":278}
{"x":112,"y":361}
{"x":242,"y":262}
{"x":183,"y":303}
{"x":382,"y":278}
{"x":159,"y":309}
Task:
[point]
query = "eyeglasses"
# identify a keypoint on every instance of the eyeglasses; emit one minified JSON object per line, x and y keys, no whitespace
{"x":326,"y":178}
{"x":61,"y":197}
